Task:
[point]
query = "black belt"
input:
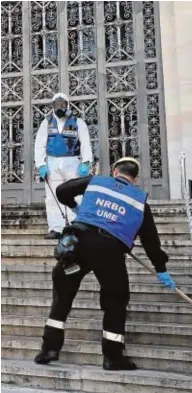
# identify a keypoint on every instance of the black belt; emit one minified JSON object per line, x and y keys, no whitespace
{"x":99,"y":231}
{"x":91,"y":228}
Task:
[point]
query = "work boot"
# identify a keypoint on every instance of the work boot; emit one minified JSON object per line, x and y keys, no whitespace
{"x":45,"y":357}
{"x":52,"y":235}
{"x":119,"y":363}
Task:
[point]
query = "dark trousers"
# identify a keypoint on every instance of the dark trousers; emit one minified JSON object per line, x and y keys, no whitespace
{"x":105,"y":257}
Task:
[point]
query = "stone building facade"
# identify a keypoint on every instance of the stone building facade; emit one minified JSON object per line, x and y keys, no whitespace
{"x":127,"y":69}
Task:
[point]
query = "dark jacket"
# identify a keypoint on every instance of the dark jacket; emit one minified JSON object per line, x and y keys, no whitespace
{"x":148,"y":234}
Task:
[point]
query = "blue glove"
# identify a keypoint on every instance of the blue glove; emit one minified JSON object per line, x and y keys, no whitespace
{"x":83,"y":169}
{"x":166,"y":280}
{"x":43,"y":171}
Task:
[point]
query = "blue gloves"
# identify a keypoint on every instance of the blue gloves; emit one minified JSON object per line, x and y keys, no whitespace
{"x":166,"y":280}
{"x":83,"y":169}
{"x":43,"y":171}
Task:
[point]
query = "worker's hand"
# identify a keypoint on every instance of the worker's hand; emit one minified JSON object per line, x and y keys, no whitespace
{"x":166,"y":280}
{"x":84,"y":169}
{"x":43,"y":172}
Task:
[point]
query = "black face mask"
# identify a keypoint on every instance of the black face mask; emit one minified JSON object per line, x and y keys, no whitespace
{"x":60,"y":112}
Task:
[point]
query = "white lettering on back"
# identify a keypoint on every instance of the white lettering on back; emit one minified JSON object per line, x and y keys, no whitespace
{"x":99,"y":212}
{"x":107,"y":204}
{"x":107,"y":215}
{"x":122,"y":210}
{"x":100,"y":202}
{"x":111,"y":205}
{"x":114,"y":206}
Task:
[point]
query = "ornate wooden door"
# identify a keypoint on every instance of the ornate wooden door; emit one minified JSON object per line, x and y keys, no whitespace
{"x":107,"y":57}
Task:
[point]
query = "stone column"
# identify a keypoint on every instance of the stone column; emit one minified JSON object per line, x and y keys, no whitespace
{"x":176,"y":40}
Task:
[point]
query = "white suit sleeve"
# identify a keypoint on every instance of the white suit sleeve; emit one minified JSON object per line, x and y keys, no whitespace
{"x":86,"y":150}
{"x":40,"y":144}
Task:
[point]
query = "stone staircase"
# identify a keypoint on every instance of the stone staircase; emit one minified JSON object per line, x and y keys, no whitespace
{"x":158,"y":327}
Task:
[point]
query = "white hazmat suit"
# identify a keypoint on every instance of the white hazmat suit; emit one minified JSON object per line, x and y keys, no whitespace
{"x":60,"y":169}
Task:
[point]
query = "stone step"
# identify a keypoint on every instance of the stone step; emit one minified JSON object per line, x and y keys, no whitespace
{"x":157,"y":209}
{"x":17,"y":224}
{"x":163,"y":236}
{"x":90,"y":284}
{"x":27,"y":213}
{"x":44,"y":247}
{"x":90,"y":288}
{"x":5,"y":388}
{"x":39,"y":233}
{"x":136,"y":275}
{"x":42,"y":226}
{"x":155,"y":314}
{"x":92,"y":379}
{"x":175,"y":260}
{"x":42,"y":220}
{"x":180,"y":266}
{"x":49,"y":243}
{"x":147,"y":284}
{"x":136,"y":272}
{"x":138,"y":332}
{"x":162,"y":229}
{"x":8,"y":251}
{"x":86,"y":295}
{"x":148,"y":312}
{"x":41,"y":205}
{"x":177,"y":359}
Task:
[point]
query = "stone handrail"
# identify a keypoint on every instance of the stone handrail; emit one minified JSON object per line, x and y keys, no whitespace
{"x":184,"y":190}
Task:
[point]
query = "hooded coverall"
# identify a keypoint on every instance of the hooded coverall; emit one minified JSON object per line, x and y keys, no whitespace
{"x":60,"y":169}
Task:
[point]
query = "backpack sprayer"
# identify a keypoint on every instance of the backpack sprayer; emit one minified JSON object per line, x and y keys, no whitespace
{"x":65,"y":250}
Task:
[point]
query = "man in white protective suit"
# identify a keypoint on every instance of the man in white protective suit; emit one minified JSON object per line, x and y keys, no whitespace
{"x":62,"y":152}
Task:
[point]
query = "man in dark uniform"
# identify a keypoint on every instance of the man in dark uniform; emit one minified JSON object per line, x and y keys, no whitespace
{"x":113,"y":212}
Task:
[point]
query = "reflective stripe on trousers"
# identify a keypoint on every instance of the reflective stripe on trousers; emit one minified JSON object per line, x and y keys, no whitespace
{"x":113,"y":337}
{"x":55,"y":324}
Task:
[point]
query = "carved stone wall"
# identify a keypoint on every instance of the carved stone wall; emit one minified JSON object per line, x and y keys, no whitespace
{"x":176,"y":38}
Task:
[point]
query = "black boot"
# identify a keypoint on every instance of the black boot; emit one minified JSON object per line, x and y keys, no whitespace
{"x":45,"y":357}
{"x":118,"y":363}
{"x":52,"y":235}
